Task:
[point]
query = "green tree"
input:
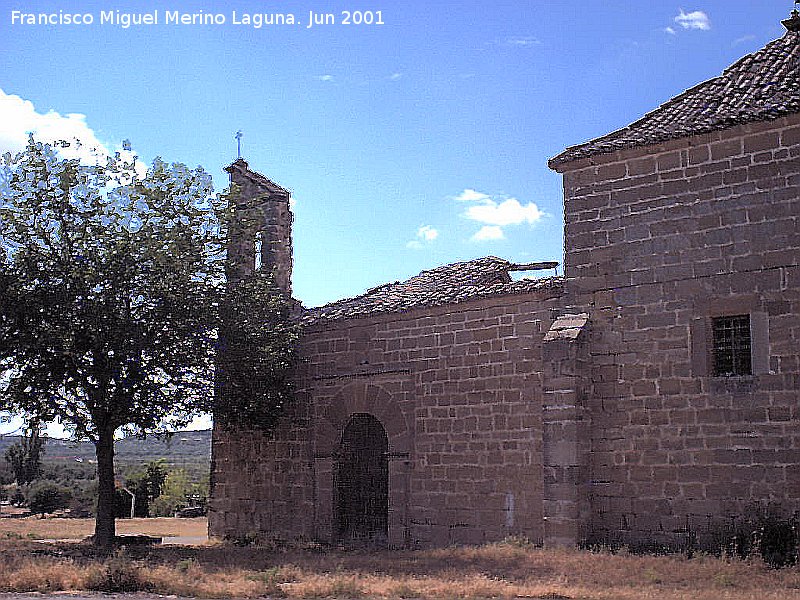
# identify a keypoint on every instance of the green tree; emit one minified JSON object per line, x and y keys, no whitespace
{"x":17,"y":496}
{"x":114,"y":307}
{"x":147,"y":485}
{"x":110,"y":284}
{"x":46,"y":497}
{"x":6,"y":474}
{"x":255,"y":364}
{"x":25,"y":456}
{"x":178,"y":488}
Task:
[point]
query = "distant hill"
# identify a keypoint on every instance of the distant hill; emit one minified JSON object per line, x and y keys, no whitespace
{"x":189,"y":450}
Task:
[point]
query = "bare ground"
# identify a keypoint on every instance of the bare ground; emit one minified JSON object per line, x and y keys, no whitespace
{"x":78,"y":529}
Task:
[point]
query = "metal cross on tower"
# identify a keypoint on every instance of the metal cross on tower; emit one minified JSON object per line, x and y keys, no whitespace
{"x":238,"y":137}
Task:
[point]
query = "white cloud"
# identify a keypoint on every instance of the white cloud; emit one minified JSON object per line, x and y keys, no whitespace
{"x":696,"y":19}
{"x":395,"y":76}
{"x":508,"y":212}
{"x":669,"y":30}
{"x":522,"y":42}
{"x":325,"y":77}
{"x":495,"y":213}
{"x":18,"y":117}
{"x":425,"y":234}
{"x":470,"y":195}
{"x":488,"y":232}
{"x":743,"y":39}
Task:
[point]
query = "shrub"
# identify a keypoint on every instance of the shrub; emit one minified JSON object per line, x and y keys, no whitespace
{"x":119,"y":575}
{"x":47,"y":497}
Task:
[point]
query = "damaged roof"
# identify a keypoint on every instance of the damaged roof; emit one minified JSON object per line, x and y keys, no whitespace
{"x":761,"y":86}
{"x":482,"y":277}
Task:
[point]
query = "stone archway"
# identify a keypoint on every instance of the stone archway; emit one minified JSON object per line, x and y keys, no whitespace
{"x":361,"y":482}
{"x":332,"y":418}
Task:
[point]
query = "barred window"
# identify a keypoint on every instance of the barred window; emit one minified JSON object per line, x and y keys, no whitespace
{"x":731,"y":351}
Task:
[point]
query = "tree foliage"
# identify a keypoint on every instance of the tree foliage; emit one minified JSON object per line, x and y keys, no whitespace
{"x":46,"y":497}
{"x":110,"y":283}
{"x":113,"y":303}
{"x":108,"y":290}
{"x":25,"y":456}
{"x":146,"y":484}
{"x":175,"y":494}
{"x":254,"y":370}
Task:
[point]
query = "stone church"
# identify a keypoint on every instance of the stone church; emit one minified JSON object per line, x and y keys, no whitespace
{"x":650,"y":393}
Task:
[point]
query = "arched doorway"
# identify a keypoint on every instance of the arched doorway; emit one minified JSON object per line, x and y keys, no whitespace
{"x":362,"y":481}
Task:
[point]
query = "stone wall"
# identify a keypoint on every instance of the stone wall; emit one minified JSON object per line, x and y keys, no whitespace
{"x":262,"y":218}
{"x":458,"y":390}
{"x":566,"y":431}
{"x":659,"y":240}
{"x":262,"y":485}
{"x":588,"y":413}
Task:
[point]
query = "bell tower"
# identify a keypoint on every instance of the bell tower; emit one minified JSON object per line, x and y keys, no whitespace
{"x":261,"y":230}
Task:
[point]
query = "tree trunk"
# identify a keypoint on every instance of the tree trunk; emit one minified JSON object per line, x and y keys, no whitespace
{"x":105,"y":526}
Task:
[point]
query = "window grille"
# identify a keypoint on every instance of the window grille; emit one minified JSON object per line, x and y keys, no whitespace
{"x":731,"y":350}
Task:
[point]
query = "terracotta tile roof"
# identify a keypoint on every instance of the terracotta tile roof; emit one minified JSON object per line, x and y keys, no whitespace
{"x":761,"y":86}
{"x":452,"y":283}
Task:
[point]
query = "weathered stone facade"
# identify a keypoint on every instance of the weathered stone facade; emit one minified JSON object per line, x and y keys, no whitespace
{"x":661,"y":239}
{"x":261,"y":234}
{"x":459,"y":393}
{"x":652,"y":391}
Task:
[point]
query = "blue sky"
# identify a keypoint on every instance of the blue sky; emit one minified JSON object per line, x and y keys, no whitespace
{"x":407,"y":145}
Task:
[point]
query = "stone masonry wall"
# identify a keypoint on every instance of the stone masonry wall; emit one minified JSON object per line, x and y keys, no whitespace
{"x":262,"y":485}
{"x":659,"y":240}
{"x":262,"y":215}
{"x":458,"y":390}
{"x":465,"y":381}
{"x":566,"y":431}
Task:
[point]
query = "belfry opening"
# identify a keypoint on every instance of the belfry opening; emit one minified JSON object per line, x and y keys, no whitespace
{"x":362,"y":482}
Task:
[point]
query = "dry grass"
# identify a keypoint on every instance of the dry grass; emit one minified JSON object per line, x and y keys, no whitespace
{"x":508,"y":571}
